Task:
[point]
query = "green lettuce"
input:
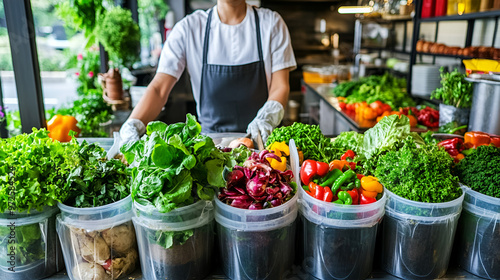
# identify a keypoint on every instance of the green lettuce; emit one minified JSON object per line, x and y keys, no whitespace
{"x":174,"y":165}
{"x":34,"y":169}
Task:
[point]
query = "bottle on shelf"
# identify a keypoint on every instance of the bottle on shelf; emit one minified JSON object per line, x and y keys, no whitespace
{"x":441,"y":8}
{"x":452,"y":8}
{"x":428,"y":7}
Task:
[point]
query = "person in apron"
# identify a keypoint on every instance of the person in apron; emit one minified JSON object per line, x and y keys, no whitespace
{"x":238,"y":57}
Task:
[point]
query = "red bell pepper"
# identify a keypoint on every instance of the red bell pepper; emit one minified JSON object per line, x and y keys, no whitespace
{"x":343,"y":105}
{"x":311,"y":168}
{"x":360,"y":176}
{"x":366,"y":200}
{"x":355,"y":196}
{"x":352,"y":165}
{"x":348,"y":154}
{"x":328,"y":195}
{"x":429,"y":117}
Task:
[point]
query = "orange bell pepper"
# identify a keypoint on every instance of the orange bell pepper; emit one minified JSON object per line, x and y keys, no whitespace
{"x":475,"y":139}
{"x":413,"y":120}
{"x":59,"y":127}
{"x":369,"y":113}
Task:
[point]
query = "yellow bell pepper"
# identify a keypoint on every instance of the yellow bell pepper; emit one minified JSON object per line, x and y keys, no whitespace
{"x":280,"y":148}
{"x":59,"y":127}
{"x":371,"y":184}
{"x":368,"y":193}
{"x":278,"y":165}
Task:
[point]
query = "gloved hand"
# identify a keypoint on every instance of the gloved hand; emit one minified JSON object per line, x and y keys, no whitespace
{"x":131,"y":131}
{"x":268,"y":117}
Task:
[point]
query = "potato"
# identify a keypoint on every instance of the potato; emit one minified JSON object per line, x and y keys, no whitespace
{"x":90,"y":271}
{"x":120,"y":238}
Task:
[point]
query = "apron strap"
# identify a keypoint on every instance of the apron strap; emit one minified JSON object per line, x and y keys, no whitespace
{"x":207,"y":36}
{"x":259,"y":41}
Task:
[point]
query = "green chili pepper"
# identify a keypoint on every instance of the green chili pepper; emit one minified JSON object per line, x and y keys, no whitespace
{"x":349,"y":186}
{"x":342,"y":179}
{"x":330,"y":178}
{"x":357,"y":183}
{"x":344,"y":198}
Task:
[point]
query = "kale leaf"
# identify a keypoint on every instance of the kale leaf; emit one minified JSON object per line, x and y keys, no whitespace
{"x":419,"y":174}
{"x":480,"y":170}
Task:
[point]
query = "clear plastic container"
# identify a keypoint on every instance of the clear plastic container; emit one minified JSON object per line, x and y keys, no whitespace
{"x":98,"y":242}
{"x":417,"y":237}
{"x":256,"y":244}
{"x":36,"y":253}
{"x":339,"y":240}
{"x":478,"y":235}
{"x":175,"y":245}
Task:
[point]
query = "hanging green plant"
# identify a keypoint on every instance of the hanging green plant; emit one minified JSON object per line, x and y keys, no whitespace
{"x":82,"y":15}
{"x":120,"y":35}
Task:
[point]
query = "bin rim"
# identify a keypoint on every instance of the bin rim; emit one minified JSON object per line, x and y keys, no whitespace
{"x":313,"y":217}
{"x":93,"y":222}
{"x":150,"y":217}
{"x":32,"y":218}
{"x":289,"y":208}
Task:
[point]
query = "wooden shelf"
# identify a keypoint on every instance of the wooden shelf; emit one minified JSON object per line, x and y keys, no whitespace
{"x":445,"y":55}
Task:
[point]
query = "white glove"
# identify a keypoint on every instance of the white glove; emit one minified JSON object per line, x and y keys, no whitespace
{"x":268,"y":117}
{"x":131,"y":131}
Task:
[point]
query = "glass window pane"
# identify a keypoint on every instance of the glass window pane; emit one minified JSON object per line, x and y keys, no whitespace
{"x":8,"y":84}
{"x":57,"y":48}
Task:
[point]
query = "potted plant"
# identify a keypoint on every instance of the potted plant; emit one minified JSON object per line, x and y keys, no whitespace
{"x":456,"y":96}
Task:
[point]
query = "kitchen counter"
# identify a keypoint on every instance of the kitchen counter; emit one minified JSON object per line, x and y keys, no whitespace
{"x":331,"y":119}
{"x":298,"y":273}
{"x":324,"y":109}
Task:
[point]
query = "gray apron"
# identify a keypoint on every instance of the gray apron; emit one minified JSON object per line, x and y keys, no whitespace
{"x":230,"y":96}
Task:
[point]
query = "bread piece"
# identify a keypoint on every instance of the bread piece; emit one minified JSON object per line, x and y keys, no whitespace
{"x":426,"y":46}
{"x":420,"y":46}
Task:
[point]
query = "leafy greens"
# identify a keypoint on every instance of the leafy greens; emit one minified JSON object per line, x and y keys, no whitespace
{"x":480,"y":170}
{"x":309,"y":139}
{"x":174,"y":165}
{"x":96,"y":181}
{"x":36,"y":168}
{"x":419,"y":174}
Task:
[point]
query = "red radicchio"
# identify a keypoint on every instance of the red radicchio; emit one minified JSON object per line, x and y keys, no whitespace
{"x":256,"y":185}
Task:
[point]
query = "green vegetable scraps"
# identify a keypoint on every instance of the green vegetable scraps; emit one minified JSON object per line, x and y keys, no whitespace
{"x":29,"y":245}
{"x":480,"y":170}
{"x":385,"y":88}
{"x":419,"y":174}
{"x":309,"y":139}
{"x":36,"y":168}
{"x":96,"y":181}
{"x":455,"y":90}
{"x":174,"y":165}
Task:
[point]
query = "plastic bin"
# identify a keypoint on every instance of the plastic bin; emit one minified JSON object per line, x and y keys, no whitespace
{"x":36,"y":253}
{"x":417,"y":237}
{"x":339,"y":240}
{"x":478,"y":235}
{"x":98,"y":242}
{"x":175,"y":245}
{"x":256,"y":244}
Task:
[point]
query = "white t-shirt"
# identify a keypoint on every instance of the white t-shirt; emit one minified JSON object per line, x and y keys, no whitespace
{"x":228,"y":45}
